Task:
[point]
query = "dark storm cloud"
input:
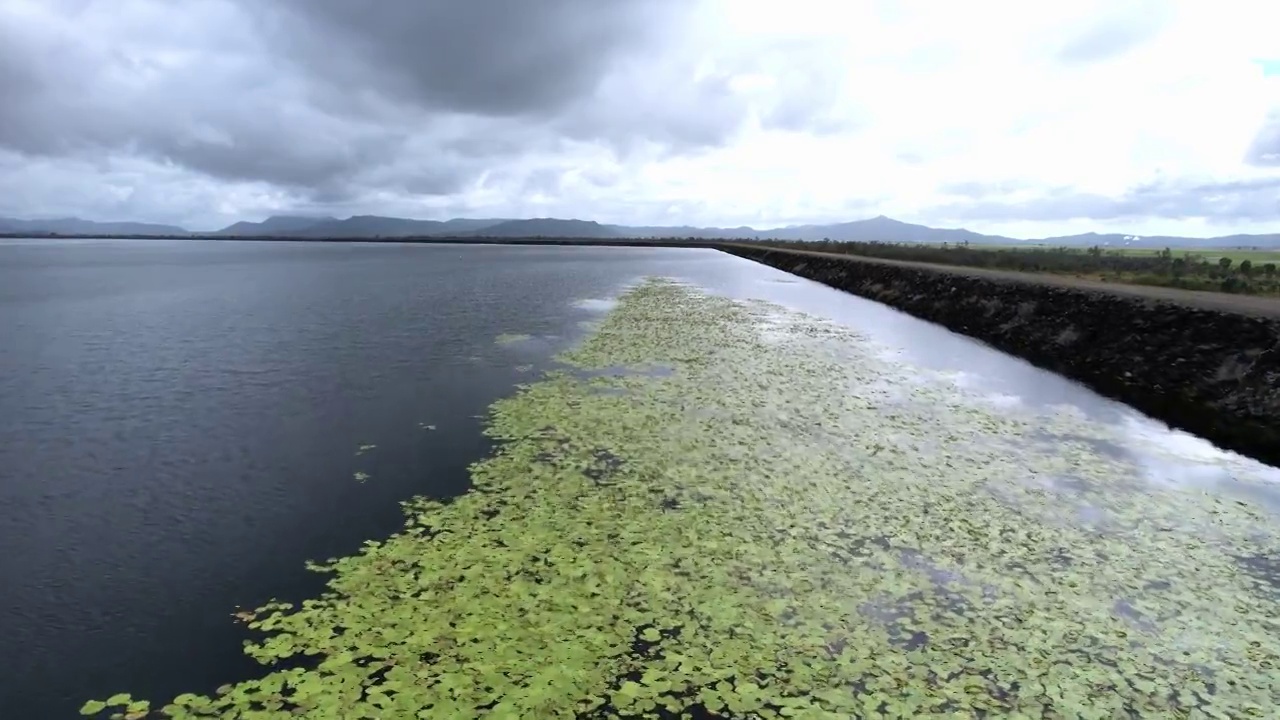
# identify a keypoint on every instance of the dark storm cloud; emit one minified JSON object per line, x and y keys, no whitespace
{"x":1227,"y":201}
{"x":543,"y":180}
{"x":1265,"y":149}
{"x":327,"y":97}
{"x":638,"y":106}
{"x":1121,"y":28}
{"x":305,"y":155}
{"x":490,"y":57}
{"x":198,"y":102}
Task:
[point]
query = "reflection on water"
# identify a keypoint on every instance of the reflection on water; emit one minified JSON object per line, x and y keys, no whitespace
{"x":1034,"y":526}
{"x":979,"y":373}
{"x":180,"y":421}
{"x":1102,"y":446}
{"x":186,"y":417}
{"x":1111,"y":460}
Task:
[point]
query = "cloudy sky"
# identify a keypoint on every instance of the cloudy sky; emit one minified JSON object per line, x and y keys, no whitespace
{"x":1025,"y":118}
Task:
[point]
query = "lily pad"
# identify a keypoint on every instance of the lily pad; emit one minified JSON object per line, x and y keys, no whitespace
{"x":787,"y":524}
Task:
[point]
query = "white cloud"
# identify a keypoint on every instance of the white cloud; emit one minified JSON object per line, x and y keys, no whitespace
{"x":977,"y":93}
{"x":746,"y":111}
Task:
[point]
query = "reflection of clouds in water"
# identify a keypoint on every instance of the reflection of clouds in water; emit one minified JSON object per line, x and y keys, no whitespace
{"x":596,"y":304}
{"x":1104,"y":447}
{"x":919,"y":346}
{"x":1161,"y":454}
{"x":914,"y":361}
{"x":609,"y":301}
{"x":1176,"y":458}
{"x":1003,"y":400}
{"x":959,"y":378}
{"x":1179,"y":445}
{"x":772,"y":326}
{"x":1155,"y":453}
{"x":979,"y":390}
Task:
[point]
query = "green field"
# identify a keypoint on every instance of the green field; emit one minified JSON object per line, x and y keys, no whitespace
{"x":1209,"y":254}
{"x":1244,"y":270}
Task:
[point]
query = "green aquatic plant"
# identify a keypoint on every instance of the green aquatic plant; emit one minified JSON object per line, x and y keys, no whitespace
{"x":127,"y":707}
{"x":784,"y":525}
{"x":512,"y":338}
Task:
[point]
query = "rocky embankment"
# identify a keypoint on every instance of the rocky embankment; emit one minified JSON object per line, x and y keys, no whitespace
{"x":1210,"y":372}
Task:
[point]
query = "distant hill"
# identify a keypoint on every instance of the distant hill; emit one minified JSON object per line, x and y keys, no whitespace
{"x":548,"y":227}
{"x":683,"y":231}
{"x":877,"y":229}
{"x":371,"y":226}
{"x":378,"y":226}
{"x":76,"y":226}
{"x":275,"y":225}
{"x":468,"y":225}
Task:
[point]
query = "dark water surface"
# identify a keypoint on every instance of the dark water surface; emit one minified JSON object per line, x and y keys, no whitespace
{"x":180,"y":424}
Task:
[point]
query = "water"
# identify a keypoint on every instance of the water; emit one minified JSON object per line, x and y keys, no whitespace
{"x":180,"y":424}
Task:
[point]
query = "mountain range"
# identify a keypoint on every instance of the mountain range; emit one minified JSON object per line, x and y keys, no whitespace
{"x":76,"y":226}
{"x":877,"y":229}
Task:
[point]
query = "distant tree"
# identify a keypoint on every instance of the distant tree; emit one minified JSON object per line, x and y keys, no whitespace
{"x":1246,"y":267}
{"x":1190,"y":269}
{"x":1269,"y":270}
{"x":1224,"y":263}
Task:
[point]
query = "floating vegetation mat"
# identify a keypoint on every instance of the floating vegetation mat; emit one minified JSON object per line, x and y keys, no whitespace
{"x":784,"y":525}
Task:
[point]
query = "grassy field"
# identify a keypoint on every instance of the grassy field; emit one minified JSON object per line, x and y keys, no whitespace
{"x":1209,"y":254}
{"x":1248,"y":271}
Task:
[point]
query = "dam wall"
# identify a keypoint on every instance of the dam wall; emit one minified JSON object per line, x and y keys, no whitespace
{"x":1211,"y":372}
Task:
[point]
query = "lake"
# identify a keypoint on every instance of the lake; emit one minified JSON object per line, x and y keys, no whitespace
{"x":184,"y":424}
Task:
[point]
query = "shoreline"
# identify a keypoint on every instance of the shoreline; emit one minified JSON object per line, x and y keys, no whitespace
{"x":1198,"y":362}
{"x":1261,"y":305}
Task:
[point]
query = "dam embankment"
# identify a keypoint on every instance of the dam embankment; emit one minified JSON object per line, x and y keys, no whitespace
{"x":1206,"y":363}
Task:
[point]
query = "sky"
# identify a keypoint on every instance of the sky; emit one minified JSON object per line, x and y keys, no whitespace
{"x":1009,"y":117}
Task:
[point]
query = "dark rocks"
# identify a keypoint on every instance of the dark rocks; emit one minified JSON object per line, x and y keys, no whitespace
{"x":1212,"y":373}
